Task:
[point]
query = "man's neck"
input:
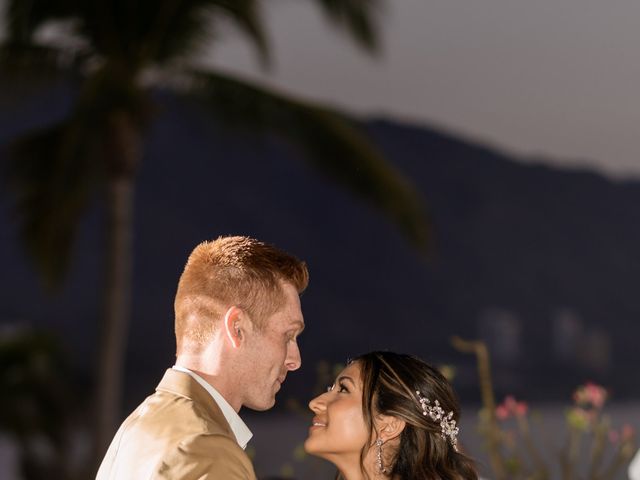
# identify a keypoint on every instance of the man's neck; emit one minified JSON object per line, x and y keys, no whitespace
{"x":213,"y":375}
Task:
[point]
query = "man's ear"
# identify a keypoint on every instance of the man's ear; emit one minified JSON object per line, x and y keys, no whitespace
{"x":389,"y":427}
{"x":233,"y":326}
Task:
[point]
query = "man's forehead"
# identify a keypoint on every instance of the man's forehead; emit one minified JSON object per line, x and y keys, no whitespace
{"x":292,"y":315}
{"x":286,"y":321}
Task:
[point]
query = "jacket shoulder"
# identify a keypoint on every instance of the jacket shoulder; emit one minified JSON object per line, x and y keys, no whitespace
{"x":206,"y":456}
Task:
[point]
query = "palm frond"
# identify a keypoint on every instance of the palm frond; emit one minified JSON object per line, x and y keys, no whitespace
{"x":176,"y":29}
{"x":247,"y":17}
{"x":185,"y":28}
{"x":25,"y":16}
{"x":143,"y":30}
{"x":357,"y":17}
{"x":35,"y":61}
{"x":52,"y":175}
{"x":179,"y":28}
{"x":329,"y":141}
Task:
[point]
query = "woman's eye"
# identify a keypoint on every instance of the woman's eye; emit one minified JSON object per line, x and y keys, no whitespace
{"x":343,"y":389}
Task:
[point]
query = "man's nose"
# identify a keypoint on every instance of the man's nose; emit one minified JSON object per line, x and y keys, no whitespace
{"x":293,"y":360}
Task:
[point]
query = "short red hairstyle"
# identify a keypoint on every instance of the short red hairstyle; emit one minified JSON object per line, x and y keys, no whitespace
{"x":232,"y":271}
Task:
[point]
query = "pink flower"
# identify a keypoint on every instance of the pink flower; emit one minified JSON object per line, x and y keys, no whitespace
{"x":597,"y":395}
{"x":511,"y":407}
{"x":628,"y":432}
{"x":613,"y":436}
{"x":521,"y":409}
{"x":502,"y":412}
{"x":591,"y":395}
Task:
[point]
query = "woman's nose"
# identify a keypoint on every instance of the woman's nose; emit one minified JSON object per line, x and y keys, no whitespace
{"x":316,"y":405}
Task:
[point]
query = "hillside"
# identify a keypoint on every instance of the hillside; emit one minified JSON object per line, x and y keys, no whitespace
{"x":543,"y":263}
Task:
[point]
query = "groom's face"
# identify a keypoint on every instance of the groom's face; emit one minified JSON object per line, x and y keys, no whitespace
{"x":273,"y":352}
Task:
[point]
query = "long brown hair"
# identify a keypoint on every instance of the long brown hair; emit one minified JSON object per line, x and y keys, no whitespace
{"x":389,"y":385}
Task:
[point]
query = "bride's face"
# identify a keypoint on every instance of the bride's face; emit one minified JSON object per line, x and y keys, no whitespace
{"x":338,"y":429}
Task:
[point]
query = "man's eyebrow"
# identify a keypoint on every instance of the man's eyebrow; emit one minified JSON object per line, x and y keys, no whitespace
{"x":300,"y":326}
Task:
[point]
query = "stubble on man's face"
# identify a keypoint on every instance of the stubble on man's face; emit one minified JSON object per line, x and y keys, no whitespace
{"x":272,"y":353}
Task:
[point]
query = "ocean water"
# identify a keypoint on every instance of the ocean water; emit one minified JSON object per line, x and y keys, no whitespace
{"x":277,"y":453}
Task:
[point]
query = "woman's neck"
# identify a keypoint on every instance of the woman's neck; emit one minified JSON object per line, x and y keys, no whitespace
{"x":353,"y":474}
{"x":353,"y":471}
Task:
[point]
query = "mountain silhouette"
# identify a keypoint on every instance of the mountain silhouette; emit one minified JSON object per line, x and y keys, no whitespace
{"x":541,"y":263}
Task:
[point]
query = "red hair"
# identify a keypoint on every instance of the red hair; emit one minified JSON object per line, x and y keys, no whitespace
{"x":232,"y":271}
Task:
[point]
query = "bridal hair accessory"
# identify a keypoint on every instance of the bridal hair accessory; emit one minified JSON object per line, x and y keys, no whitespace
{"x":448,"y":427}
{"x":379,"y":464}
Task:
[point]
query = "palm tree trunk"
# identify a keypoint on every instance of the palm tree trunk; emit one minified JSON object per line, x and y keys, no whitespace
{"x":117,"y":310}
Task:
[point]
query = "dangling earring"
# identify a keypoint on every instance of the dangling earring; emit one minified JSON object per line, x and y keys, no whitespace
{"x":381,"y":468}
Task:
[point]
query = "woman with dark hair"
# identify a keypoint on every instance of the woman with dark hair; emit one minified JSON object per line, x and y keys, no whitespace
{"x":391,"y":416}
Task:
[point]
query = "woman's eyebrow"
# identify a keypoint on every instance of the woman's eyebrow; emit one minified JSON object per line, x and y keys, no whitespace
{"x":344,"y":377}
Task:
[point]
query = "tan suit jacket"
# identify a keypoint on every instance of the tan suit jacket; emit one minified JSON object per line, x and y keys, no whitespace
{"x":179,"y":432}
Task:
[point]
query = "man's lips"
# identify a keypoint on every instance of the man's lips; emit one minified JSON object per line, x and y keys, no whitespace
{"x":279,"y":381}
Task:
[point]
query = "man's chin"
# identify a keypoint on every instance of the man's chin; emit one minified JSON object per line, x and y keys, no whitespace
{"x":261,"y":406}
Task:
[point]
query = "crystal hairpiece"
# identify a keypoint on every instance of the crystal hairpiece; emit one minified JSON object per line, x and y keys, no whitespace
{"x":448,"y":427}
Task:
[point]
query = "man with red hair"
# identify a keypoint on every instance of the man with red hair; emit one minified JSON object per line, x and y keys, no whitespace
{"x":237,"y":319}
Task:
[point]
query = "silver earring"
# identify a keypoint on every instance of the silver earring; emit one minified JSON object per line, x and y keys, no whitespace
{"x":380,"y":466}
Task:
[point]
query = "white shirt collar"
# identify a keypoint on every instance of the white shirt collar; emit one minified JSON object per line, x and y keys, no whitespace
{"x":238,"y":427}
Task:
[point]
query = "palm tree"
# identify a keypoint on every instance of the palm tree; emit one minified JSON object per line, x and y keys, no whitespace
{"x":119,"y":51}
{"x":37,"y":401}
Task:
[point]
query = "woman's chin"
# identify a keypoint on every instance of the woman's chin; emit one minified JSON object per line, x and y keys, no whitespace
{"x":308,"y":446}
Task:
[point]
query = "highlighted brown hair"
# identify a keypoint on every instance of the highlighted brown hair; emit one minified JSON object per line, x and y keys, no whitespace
{"x":232,"y":271}
{"x":389,"y":384}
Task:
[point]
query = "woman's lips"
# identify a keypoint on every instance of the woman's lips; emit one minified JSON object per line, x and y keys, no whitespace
{"x":317,"y":423}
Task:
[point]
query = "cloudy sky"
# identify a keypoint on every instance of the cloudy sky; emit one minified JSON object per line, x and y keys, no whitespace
{"x":555,"y":78}
{"x":551,"y":78}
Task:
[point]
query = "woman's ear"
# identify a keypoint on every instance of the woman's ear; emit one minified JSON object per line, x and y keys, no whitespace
{"x":389,"y":427}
